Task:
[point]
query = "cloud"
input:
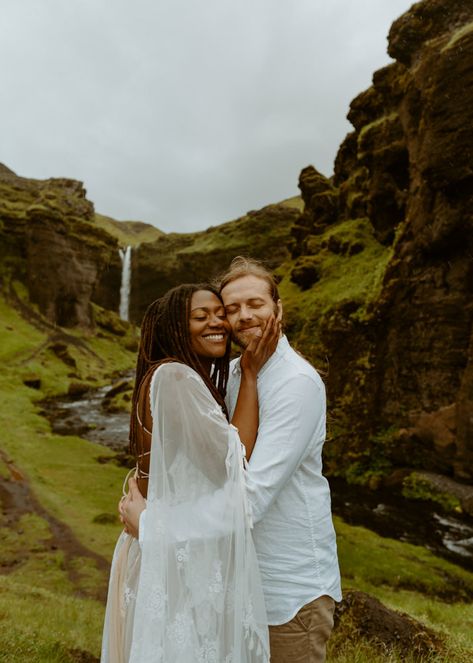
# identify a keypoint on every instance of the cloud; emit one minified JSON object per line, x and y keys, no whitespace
{"x":181,"y":113}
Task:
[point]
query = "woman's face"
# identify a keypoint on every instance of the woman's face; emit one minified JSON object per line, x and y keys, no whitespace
{"x":208,"y":325}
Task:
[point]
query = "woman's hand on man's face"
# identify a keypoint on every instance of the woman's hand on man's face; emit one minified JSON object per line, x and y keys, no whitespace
{"x":261,"y":347}
{"x":130,"y":508}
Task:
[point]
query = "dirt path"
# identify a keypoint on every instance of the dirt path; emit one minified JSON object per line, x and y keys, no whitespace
{"x":17,"y":500}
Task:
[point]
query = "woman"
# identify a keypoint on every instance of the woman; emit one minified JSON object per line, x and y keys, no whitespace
{"x":189,"y":589}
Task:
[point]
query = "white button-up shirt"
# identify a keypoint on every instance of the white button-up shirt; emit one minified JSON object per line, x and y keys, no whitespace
{"x":290,"y":499}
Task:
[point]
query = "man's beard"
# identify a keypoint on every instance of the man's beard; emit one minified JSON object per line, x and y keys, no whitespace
{"x":241,"y":339}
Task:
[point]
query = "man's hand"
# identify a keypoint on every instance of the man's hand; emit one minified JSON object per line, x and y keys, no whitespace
{"x":261,"y":347}
{"x":130,"y":508}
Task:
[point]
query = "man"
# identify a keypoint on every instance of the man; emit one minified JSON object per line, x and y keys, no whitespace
{"x":290,"y":499}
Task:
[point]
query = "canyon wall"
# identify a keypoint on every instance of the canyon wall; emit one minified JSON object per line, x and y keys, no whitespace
{"x":401,"y":364}
{"x":50,"y":243}
{"x":375,"y":269}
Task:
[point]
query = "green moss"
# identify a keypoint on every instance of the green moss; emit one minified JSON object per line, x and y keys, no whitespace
{"x":418,"y":488}
{"x":342,"y":278}
{"x":457,"y":35}
{"x":376,"y":123}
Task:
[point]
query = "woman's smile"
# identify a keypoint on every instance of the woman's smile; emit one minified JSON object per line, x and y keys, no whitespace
{"x":208,"y":325}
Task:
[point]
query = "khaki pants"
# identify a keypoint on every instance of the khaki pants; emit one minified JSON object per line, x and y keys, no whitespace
{"x":304,"y":638}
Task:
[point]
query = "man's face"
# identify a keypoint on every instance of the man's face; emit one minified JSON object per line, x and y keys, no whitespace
{"x":248,"y":305}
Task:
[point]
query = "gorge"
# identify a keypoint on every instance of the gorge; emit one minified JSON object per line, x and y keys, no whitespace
{"x":375,"y":269}
{"x":375,"y":263}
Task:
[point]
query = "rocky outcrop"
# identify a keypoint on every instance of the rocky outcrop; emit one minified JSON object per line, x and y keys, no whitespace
{"x":67,"y":255}
{"x":362,"y":617}
{"x":196,"y":257}
{"x":377,"y":269}
{"x":49,"y":241}
{"x":400,"y":359}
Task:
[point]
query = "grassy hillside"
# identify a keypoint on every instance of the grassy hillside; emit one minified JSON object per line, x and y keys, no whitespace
{"x":128,"y":233}
{"x":59,"y":522}
{"x":60,"y":533}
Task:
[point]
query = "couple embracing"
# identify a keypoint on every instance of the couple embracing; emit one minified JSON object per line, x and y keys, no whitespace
{"x":235,"y":533}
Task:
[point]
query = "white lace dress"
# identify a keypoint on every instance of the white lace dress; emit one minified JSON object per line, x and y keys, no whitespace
{"x":191,"y":592}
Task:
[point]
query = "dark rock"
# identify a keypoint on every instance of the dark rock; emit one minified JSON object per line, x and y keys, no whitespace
{"x":78,"y":389}
{"x":53,"y":245}
{"x":355,"y":247}
{"x":305,"y":274}
{"x":110,"y":321}
{"x":407,"y":167}
{"x":447,"y":485}
{"x":32,"y":382}
{"x":424,"y":22}
{"x":392,"y":631}
{"x":312,"y":182}
{"x":81,"y":656}
{"x":324,"y":207}
{"x":119,"y":387}
{"x":320,"y":209}
{"x":61,"y":351}
{"x":365,"y":108}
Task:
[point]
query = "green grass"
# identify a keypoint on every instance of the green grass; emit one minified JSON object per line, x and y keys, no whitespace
{"x":374,"y":564}
{"x":62,"y":470}
{"x":40,"y":626}
{"x":44,"y":609}
{"x":409,"y":579}
{"x":46,"y":604}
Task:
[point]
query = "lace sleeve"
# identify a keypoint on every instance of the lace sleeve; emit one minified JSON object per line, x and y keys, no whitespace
{"x":199,"y":596}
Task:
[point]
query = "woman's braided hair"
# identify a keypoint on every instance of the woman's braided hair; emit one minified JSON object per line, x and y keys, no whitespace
{"x":165,"y":335}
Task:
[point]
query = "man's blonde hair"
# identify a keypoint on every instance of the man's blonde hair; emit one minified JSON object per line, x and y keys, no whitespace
{"x":242,"y":266}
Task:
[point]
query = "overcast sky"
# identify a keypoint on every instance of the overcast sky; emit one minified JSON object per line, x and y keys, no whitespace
{"x":183,"y":113}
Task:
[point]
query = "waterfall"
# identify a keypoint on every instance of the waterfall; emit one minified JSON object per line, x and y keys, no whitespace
{"x":125,"y":256}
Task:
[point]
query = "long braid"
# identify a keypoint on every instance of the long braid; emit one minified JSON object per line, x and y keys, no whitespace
{"x":165,"y":335}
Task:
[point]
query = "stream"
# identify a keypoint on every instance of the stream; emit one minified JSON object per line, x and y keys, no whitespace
{"x":384,"y":511}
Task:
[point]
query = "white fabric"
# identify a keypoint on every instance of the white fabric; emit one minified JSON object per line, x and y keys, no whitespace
{"x":290,"y":499}
{"x":197,"y":597}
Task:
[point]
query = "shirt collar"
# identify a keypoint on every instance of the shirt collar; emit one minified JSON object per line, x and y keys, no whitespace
{"x":281,"y":349}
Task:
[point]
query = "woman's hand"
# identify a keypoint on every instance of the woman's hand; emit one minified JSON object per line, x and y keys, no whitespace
{"x":130,"y":508}
{"x":260,"y":348}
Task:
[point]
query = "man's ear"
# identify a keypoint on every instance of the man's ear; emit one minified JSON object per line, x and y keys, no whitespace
{"x":279,"y":311}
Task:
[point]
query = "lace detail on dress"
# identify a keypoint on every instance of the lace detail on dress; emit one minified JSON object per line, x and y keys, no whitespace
{"x":197,"y":597}
{"x":182,"y":555}
{"x":216,"y":586}
{"x":208,"y":652}
{"x":249,"y":618}
{"x":179,"y":631}
{"x":128,"y":596}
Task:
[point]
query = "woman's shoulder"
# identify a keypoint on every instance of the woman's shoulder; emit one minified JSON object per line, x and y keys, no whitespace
{"x":176,"y":370}
{"x":175,"y":373}
{"x":174,"y":379}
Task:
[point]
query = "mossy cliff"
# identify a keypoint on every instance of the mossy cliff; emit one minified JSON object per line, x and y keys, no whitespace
{"x":376,"y":270}
{"x":178,"y":258}
{"x":65,"y":254}
{"x":50,"y":242}
{"x":383,"y":252}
